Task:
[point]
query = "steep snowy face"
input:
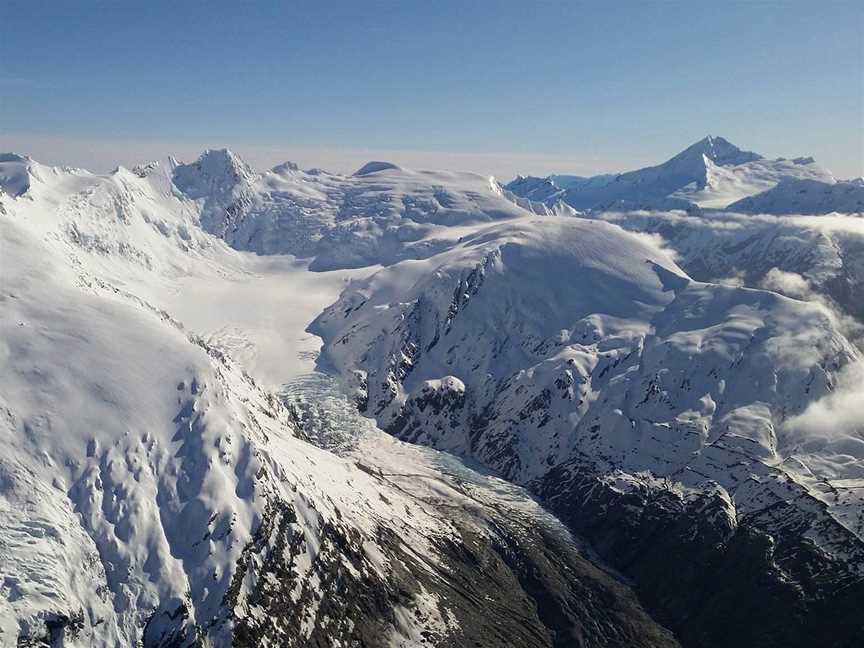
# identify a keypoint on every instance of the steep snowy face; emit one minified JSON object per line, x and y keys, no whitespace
{"x":514,"y":256}
{"x":690,"y":168}
{"x":582,"y":361}
{"x":727,"y":184}
{"x":129,"y":461}
{"x":220,"y":181}
{"x":216,"y":172}
{"x":137,"y":464}
{"x":491,"y":308}
{"x":711,"y":173}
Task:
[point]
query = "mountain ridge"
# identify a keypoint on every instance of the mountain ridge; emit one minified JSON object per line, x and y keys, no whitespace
{"x":711,"y":173}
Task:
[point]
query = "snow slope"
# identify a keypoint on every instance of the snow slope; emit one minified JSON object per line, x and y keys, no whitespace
{"x":131,"y":446}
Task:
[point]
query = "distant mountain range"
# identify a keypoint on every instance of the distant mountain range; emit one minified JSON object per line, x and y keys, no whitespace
{"x":712,"y":173}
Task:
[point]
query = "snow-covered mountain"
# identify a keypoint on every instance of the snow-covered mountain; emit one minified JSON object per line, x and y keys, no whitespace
{"x":614,"y":382}
{"x":712,"y":173}
{"x":155,"y":493}
{"x":164,"y":424}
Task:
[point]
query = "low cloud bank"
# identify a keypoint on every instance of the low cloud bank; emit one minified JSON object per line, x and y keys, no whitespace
{"x":835,"y":423}
{"x":798,"y":287}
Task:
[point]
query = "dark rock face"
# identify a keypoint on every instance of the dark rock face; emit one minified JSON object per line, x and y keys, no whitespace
{"x":169,"y":627}
{"x":516,"y":587}
{"x":57,"y":629}
{"x":341,"y":597}
{"x":535,"y":591}
{"x":717,"y":581}
{"x":511,"y":584}
{"x":430,"y":415}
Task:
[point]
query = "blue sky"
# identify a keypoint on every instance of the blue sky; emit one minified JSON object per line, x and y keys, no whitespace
{"x":488,"y":86}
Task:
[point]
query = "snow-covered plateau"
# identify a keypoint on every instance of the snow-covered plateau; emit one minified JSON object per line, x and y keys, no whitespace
{"x":422,"y":408}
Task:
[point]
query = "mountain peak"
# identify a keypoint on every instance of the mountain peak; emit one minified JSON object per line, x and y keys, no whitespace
{"x":216,"y":171}
{"x":220,"y":161}
{"x":719,"y":150}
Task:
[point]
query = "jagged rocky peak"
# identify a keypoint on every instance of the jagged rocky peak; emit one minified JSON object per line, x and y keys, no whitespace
{"x":222,"y":183}
{"x":214,"y":170}
{"x":534,"y":188}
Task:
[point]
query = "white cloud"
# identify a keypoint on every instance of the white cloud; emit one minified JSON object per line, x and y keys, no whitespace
{"x":836,"y":419}
{"x":657,"y":242}
{"x":787,"y":283}
{"x":798,"y":287}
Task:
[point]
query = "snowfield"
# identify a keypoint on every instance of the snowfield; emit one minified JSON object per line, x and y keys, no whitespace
{"x":678,"y":383}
